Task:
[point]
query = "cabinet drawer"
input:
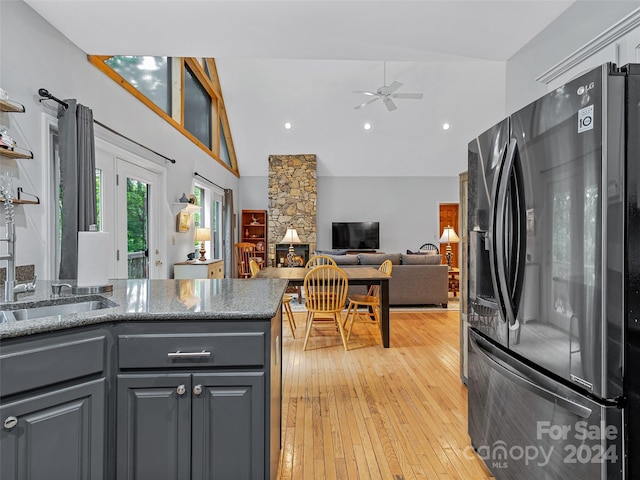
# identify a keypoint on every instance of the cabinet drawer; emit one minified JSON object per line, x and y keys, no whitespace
{"x":189,"y":350}
{"x":216,"y":270}
{"x":41,"y":364}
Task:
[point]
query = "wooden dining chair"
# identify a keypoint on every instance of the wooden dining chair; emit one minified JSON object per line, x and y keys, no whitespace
{"x":325,"y":288}
{"x":370,"y":300}
{"x":286,"y":299}
{"x":429,"y":247}
{"x":245,"y":251}
{"x":318,"y":260}
{"x":254,"y":268}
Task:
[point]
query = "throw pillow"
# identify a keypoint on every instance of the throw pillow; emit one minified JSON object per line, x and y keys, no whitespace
{"x":345,"y":259}
{"x":331,"y":252}
{"x":378,"y":258}
{"x":421,"y":259}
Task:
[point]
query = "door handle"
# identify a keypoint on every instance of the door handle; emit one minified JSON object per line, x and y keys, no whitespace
{"x":10,"y":422}
{"x":179,"y":354}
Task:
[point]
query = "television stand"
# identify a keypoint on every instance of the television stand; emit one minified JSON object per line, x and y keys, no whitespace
{"x":353,"y":252}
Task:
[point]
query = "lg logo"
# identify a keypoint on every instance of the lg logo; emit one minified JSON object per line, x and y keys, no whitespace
{"x":585,"y":88}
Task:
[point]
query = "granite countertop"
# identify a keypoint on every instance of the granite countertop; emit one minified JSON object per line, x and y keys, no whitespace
{"x":158,"y":300}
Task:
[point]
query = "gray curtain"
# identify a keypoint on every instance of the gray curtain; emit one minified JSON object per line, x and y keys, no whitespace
{"x":78,"y":181}
{"x":230,"y":270}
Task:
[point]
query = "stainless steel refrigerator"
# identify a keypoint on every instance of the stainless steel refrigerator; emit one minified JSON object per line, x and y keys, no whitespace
{"x":554,"y":283}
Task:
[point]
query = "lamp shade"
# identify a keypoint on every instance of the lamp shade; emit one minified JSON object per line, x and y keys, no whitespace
{"x":449,"y":235}
{"x":291,"y":236}
{"x":203,"y":234}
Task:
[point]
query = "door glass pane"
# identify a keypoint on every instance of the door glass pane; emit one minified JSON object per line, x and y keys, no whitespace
{"x":197,"y":109}
{"x":137,"y":228}
{"x":99,"y":199}
{"x":151,"y":76}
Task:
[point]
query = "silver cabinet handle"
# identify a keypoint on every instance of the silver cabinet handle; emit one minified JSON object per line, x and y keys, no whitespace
{"x":179,"y":354}
{"x":181,"y":389}
{"x":10,"y":422}
{"x":197,"y":390}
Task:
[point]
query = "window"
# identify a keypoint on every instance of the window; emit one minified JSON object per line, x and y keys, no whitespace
{"x":197,"y":109}
{"x":210,"y":216}
{"x":184,"y":91}
{"x":151,"y":76}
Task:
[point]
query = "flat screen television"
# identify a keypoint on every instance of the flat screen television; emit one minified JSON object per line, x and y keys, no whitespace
{"x":355,"y":235}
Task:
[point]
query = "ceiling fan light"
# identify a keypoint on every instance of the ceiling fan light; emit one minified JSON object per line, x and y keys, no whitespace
{"x":367,"y":126}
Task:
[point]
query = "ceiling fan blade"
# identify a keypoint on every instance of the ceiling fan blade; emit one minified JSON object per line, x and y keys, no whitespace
{"x":393,"y":87}
{"x":367,"y":102}
{"x":416,"y":96}
{"x":365,"y":92}
{"x":389,"y":103}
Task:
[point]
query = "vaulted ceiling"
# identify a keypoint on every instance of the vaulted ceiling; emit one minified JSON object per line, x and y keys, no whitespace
{"x":300,"y":61}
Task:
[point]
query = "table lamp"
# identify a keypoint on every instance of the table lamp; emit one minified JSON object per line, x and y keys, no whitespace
{"x":203,"y":235}
{"x":449,"y":236}
{"x":290,"y":237}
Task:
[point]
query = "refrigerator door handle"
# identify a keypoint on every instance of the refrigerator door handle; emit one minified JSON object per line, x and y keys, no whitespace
{"x":493,"y":237}
{"x":573,"y":407}
{"x":502,"y":240}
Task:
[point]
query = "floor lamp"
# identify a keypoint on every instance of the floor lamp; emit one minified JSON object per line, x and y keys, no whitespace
{"x":449,"y":236}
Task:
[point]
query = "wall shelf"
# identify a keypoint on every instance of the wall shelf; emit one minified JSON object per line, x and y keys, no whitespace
{"x":8,"y":106}
{"x":5,"y":152}
{"x":17,"y":201}
{"x":186,"y":207}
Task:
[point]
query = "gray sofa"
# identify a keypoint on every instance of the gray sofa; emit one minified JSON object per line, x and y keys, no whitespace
{"x":416,"y":279}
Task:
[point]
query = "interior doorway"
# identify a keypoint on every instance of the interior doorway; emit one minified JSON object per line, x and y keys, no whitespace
{"x":449,"y":217}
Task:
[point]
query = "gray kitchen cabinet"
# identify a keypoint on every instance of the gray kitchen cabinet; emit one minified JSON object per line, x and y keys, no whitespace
{"x":198,"y":401}
{"x":58,"y":434}
{"x":53,"y":407}
{"x":190,"y":426}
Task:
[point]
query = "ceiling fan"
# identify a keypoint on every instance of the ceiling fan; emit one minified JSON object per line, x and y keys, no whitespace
{"x":386,"y":93}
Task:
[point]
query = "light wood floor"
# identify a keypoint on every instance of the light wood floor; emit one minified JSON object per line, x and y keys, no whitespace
{"x":374,"y":413}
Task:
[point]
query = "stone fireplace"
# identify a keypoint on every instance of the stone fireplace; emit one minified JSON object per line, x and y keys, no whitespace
{"x":292,"y":200}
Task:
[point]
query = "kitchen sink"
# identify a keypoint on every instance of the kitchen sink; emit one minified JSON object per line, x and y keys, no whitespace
{"x":40,"y":310}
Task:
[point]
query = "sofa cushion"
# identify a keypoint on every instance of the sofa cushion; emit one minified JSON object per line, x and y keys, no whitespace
{"x":345,"y":259}
{"x":378,"y":258}
{"x":421,"y":259}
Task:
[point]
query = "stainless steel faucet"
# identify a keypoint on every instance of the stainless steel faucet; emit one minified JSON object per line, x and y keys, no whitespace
{"x":11,"y":290}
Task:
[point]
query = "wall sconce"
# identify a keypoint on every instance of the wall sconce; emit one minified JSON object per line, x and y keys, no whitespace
{"x":202,"y":235}
{"x":449,"y":236}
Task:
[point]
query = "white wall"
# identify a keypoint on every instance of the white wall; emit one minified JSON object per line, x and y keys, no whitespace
{"x":406,"y":207}
{"x":578,"y":25}
{"x":34,"y":55}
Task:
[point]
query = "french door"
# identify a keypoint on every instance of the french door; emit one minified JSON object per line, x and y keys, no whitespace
{"x":127,"y":205}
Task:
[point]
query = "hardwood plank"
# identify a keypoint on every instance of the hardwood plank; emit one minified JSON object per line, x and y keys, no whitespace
{"x":376,"y":413}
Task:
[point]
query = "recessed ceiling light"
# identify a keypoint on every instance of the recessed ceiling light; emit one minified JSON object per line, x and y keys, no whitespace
{"x":445,"y":126}
{"x":287,"y":125}
{"x":367,"y":126}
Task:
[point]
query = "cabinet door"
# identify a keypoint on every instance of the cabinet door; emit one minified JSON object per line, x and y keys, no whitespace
{"x":228,"y":426}
{"x":153,"y":427}
{"x":59,"y":434}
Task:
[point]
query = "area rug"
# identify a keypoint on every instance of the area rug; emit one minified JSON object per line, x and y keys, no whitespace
{"x":454,"y":304}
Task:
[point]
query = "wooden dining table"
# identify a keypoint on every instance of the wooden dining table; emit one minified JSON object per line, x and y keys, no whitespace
{"x":355,"y":276}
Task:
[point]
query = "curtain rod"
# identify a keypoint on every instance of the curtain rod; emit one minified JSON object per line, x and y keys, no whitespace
{"x":133,"y":141}
{"x":45,"y":95}
{"x":205,"y":178}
